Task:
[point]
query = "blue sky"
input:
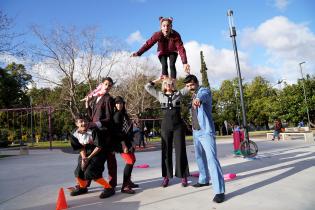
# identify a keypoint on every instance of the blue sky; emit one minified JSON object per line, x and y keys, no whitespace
{"x":263,"y":27}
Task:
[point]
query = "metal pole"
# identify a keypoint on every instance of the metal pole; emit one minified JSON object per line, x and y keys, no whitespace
{"x":237,"y":109}
{"x":32,"y":138}
{"x":49,"y":128}
{"x":305,"y":101}
{"x":233,"y":35}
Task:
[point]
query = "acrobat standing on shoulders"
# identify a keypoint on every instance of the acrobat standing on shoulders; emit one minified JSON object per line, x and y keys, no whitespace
{"x":169,"y":45}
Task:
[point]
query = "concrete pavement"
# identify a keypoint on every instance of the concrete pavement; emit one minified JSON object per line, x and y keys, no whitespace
{"x":281,"y":177}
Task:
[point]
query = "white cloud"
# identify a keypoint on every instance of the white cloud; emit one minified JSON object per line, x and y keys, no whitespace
{"x":127,"y":66}
{"x":7,"y":59}
{"x":286,"y":44}
{"x":135,"y":37}
{"x":119,"y":65}
{"x":220,"y":63}
{"x":281,"y":4}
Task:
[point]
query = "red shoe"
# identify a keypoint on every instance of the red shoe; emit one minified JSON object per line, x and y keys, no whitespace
{"x":184,"y":182}
{"x":128,"y":190}
{"x":165,"y":182}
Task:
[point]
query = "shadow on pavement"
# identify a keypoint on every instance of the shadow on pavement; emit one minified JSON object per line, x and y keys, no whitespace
{"x":302,"y":163}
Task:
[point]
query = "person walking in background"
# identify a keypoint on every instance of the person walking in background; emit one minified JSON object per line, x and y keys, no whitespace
{"x":100,"y":108}
{"x":204,"y":139}
{"x":124,"y":138}
{"x":172,"y":130}
{"x":169,"y":44}
{"x":277,"y":129}
{"x":138,"y":133}
{"x":301,"y":124}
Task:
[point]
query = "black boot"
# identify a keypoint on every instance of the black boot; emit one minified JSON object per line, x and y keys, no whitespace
{"x":107,"y":192}
{"x":79,"y":191}
{"x":219,"y":198}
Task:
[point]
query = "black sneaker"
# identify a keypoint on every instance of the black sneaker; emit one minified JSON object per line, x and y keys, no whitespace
{"x":107,"y":192}
{"x":133,"y":185}
{"x":200,"y":185}
{"x":78,"y":191}
{"x":219,"y":198}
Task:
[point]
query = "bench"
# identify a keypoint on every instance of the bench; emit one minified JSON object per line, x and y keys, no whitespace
{"x":305,"y":131}
{"x":270,"y":135}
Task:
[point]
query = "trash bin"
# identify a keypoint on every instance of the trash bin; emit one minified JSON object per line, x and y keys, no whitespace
{"x":238,"y":137}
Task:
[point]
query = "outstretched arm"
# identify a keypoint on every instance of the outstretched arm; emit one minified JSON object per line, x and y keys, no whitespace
{"x":147,"y":45}
{"x":151,"y":89}
{"x":184,"y":91}
{"x":182,"y":52}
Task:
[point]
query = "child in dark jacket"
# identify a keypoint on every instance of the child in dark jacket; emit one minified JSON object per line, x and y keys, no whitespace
{"x":91,"y":160}
{"x":169,"y":45}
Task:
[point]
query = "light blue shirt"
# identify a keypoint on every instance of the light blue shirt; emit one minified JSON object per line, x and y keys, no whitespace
{"x":204,"y":114}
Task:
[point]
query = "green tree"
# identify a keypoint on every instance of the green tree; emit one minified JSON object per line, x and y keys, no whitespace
{"x":225,"y":104}
{"x":292,"y":107}
{"x":203,"y":70}
{"x":260,"y":101}
{"x":14,"y":82}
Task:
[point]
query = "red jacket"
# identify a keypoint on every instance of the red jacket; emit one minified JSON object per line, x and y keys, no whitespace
{"x":166,"y":45}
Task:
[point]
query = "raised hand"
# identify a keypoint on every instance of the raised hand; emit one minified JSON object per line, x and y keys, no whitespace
{"x":187,"y":68}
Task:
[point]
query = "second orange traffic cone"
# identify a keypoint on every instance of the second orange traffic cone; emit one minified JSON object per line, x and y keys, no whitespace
{"x":61,"y":200}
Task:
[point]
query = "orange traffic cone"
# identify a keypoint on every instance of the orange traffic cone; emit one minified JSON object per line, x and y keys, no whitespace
{"x":61,"y":201}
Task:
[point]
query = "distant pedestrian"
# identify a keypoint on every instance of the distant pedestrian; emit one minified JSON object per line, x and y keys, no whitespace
{"x":277,"y":129}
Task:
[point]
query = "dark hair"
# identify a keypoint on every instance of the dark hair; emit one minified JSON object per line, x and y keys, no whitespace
{"x":190,"y":78}
{"x":80,"y":116}
{"x":108,"y":79}
{"x":119,"y":99}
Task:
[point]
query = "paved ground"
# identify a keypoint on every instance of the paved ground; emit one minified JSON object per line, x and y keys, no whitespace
{"x":281,"y":177}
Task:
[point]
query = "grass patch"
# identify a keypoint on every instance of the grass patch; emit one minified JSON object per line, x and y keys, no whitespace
{"x":46,"y":144}
{"x":3,"y":156}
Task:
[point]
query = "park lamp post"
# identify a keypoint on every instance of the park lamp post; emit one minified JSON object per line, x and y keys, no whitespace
{"x":305,"y":101}
{"x":233,"y":35}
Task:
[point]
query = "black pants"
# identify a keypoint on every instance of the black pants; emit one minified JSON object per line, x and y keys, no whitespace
{"x":94,"y":169}
{"x":111,"y":168}
{"x":169,"y":135}
{"x":163,"y":59}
